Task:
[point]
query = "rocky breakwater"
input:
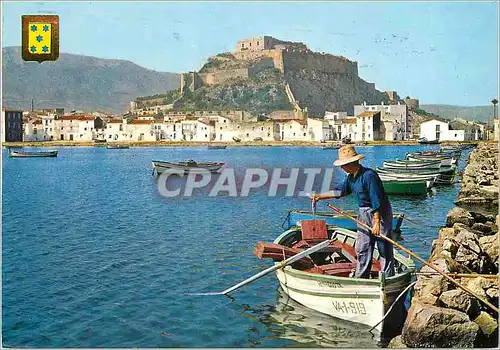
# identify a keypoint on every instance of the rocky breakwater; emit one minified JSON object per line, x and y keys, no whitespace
{"x":480,"y":178}
{"x":442,"y":314}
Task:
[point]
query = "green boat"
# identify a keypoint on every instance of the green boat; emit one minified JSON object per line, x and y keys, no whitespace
{"x":405,"y":187}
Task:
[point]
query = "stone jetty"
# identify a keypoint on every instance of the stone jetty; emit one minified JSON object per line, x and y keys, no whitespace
{"x":442,"y":314}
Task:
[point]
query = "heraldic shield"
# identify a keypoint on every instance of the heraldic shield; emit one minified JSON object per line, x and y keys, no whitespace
{"x":40,"y":38}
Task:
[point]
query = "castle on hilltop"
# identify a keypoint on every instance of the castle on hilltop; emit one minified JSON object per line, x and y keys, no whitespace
{"x":257,"y":54}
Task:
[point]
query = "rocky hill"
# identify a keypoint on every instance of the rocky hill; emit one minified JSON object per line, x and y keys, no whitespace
{"x":78,"y":82}
{"x":285,"y":76}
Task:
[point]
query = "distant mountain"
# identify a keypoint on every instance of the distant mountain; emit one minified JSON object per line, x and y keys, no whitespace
{"x":475,"y":113}
{"x":79,"y":82}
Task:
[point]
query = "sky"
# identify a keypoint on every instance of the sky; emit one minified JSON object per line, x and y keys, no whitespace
{"x":438,"y":52}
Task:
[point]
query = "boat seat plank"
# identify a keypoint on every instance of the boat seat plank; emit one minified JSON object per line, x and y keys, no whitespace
{"x":279,"y":252}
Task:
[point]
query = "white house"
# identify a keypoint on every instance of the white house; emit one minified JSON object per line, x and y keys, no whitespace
{"x":495,"y":128}
{"x":75,"y":127}
{"x":368,"y":127}
{"x":140,"y":130}
{"x":115,"y":130}
{"x":292,"y":130}
{"x":246,"y":131}
{"x":318,"y":129}
{"x":439,"y":129}
{"x":33,"y":130}
{"x":397,"y":113}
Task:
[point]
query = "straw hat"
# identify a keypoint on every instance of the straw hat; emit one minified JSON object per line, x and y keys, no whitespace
{"x":347,"y":154}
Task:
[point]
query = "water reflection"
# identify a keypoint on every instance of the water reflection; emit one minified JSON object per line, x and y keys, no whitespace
{"x":290,"y":320}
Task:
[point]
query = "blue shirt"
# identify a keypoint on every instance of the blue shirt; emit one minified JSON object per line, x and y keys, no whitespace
{"x":367,"y":188}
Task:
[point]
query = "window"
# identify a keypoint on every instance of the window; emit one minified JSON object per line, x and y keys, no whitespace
{"x":206,"y":135}
{"x":248,"y":135}
{"x":85,"y":129}
{"x":262,"y":129}
{"x":293,"y":134}
{"x":221,"y":127}
{"x":304,"y":134}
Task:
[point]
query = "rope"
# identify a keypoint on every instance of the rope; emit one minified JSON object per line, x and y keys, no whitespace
{"x":394,"y":303}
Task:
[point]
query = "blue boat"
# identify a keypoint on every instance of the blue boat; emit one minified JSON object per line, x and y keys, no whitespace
{"x":295,"y":216}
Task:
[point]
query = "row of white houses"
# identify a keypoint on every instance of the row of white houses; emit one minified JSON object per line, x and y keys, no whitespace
{"x":367,"y":126}
{"x":209,"y":128}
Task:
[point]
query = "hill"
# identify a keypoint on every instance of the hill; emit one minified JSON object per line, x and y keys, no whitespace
{"x":79,"y":82}
{"x":265,"y":74}
{"x":473,"y":113}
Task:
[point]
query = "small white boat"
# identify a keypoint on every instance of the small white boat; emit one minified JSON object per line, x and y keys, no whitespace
{"x":327,"y":288}
{"x":400,"y":164}
{"x":34,"y":154}
{"x":187,"y":165}
{"x":445,"y":161}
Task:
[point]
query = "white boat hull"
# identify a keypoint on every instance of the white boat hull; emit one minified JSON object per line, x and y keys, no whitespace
{"x":351,"y":302}
{"x":359,"y":300}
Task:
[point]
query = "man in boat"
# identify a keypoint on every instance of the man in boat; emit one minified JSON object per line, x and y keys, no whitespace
{"x":374,"y":210}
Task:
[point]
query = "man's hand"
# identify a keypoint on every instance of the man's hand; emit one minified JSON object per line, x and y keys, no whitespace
{"x":376,"y":228}
{"x":376,"y":224}
{"x":315,"y":197}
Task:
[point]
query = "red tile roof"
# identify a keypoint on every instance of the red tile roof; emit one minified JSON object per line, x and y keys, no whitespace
{"x":76,"y":117}
{"x":137,"y":122}
{"x":369,"y":113}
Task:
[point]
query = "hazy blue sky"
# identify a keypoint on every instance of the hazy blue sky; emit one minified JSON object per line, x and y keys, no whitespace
{"x":439,"y":52}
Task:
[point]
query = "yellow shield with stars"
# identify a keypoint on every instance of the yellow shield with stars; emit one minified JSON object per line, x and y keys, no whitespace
{"x":40,"y":37}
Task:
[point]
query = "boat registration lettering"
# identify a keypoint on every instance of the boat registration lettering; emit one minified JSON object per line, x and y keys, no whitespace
{"x":350,"y":308}
{"x":329,"y":284}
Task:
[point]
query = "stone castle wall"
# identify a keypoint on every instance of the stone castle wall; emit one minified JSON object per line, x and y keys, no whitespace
{"x":296,"y":60}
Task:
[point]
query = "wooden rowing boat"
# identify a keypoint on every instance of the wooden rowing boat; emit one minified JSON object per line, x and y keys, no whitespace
{"x":405,"y":186}
{"x":187,"y":166}
{"x":35,"y":154}
{"x":445,"y":175}
{"x":322,"y":283}
{"x":117,"y":147}
{"x":294,"y":217}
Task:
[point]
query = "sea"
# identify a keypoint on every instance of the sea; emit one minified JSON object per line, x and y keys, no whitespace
{"x":94,"y":254}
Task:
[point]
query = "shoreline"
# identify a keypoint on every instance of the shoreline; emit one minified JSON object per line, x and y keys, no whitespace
{"x":229,"y":144}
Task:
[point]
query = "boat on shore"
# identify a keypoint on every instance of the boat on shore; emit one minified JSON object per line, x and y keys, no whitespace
{"x":216,"y":146}
{"x":187,"y":166}
{"x":33,"y":154}
{"x":321,"y":282}
{"x":332,"y":147}
{"x":425,"y":141}
{"x":117,"y":146}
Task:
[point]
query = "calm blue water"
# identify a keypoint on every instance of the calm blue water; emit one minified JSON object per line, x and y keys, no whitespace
{"x":94,"y":256}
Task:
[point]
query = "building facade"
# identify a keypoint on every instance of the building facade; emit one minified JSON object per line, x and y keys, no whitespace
{"x":12,"y":125}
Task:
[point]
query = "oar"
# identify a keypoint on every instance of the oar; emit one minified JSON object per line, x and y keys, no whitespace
{"x":460,"y":275}
{"x":284,"y":263}
{"x":485,"y":302}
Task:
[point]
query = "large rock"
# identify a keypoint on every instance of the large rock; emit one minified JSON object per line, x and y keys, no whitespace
{"x":478,"y":285}
{"x":431,"y":326}
{"x":459,"y":215}
{"x":489,"y":244}
{"x":396,"y":343}
{"x":460,"y":300}
{"x":486,"y":323}
{"x":428,"y":289}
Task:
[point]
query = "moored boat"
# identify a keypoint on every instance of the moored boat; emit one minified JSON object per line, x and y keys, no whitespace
{"x":187,"y":166}
{"x":117,"y":146}
{"x":430,"y":180}
{"x":325,"y":285}
{"x":294,"y":217}
{"x":445,"y":175}
{"x":406,"y":187}
{"x":216,"y":146}
{"x":407,"y":164}
{"x":332,"y":147}
{"x":34,"y":154}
